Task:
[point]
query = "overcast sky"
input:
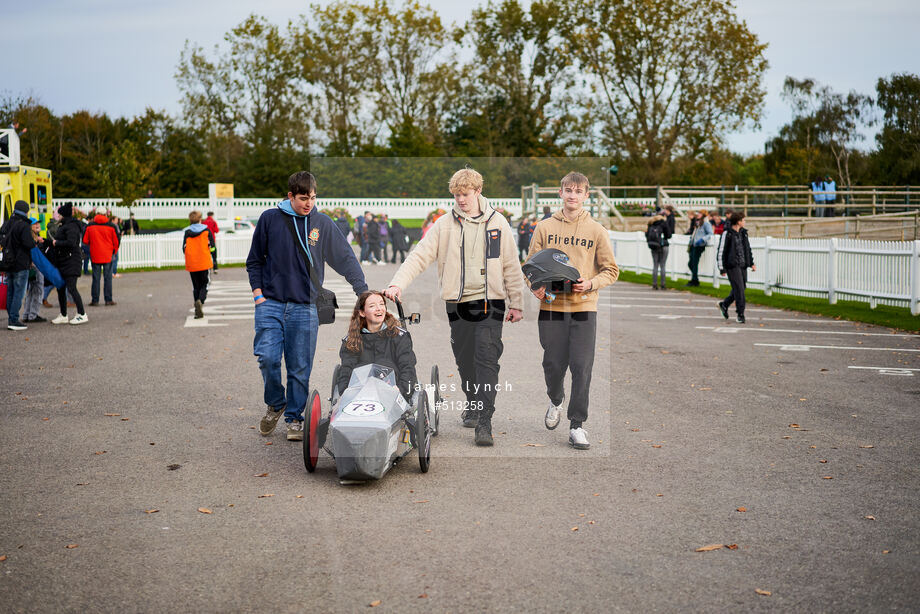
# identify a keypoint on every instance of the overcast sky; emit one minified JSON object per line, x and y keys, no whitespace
{"x":119,"y":56}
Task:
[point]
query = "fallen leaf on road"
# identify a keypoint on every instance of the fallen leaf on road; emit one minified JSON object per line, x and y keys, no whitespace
{"x":665,"y":352}
{"x":373,"y":604}
{"x":634,"y":430}
{"x":659,"y":495}
{"x":299,"y":497}
{"x":786,"y":437}
{"x":866,"y":447}
{"x":741,"y":509}
{"x":2,"y":557}
{"x":423,"y":596}
{"x":869,"y":517}
{"x":72,"y":546}
{"x":125,"y":419}
{"x":760,"y":591}
{"x":153,"y":511}
{"x":574,"y":528}
{"x":173,"y":467}
{"x":581,"y":515}
{"x":704,"y":388}
{"x":268,"y":443}
{"x":656,"y":445}
{"x":533,"y":445}
{"x":822,"y":461}
{"x":204,"y":510}
{"x":100,"y":452}
{"x":886,"y":551}
{"x":421,"y":501}
{"x":794,"y":425}
{"x":710,"y":548}
{"x":590,"y":522}
{"x":252,"y":427}
{"x":260,"y":475}
{"x":111,"y":415}
{"x":732,"y":546}
{"x":45,"y":419}
{"x":266,"y":495}
{"x":827,"y":477}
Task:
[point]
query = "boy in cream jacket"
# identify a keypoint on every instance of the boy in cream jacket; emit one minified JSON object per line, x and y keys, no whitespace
{"x":480,"y":281}
{"x":568,"y":325}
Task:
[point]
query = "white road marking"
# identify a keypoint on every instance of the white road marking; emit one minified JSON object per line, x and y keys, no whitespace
{"x":903,"y":371}
{"x":191,"y":322}
{"x":814,"y":332}
{"x":713,"y":308}
{"x":806,"y":348}
{"x":718,"y":317}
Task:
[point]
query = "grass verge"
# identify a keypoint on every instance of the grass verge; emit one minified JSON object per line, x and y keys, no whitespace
{"x":883,"y":315}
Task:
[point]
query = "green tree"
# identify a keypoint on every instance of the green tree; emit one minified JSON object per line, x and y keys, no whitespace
{"x":511,"y":100}
{"x":123,"y":173}
{"x":411,"y":74}
{"x":898,"y":156}
{"x":335,"y":51}
{"x":675,"y":76}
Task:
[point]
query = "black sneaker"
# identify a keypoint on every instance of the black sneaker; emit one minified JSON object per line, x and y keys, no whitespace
{"x":740,"y":318}
{"x":469,"y":418}
{"x":723,"y":309}
{"x":483,"y":435}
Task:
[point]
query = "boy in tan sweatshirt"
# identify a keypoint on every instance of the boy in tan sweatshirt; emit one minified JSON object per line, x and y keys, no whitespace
{"x":481,"y":283}
{"x":568,"y":324}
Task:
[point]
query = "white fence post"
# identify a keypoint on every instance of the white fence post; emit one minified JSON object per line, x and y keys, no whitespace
{"x":158,"y":258}
{"x":832,"y":271}
{"x":767,"y":286}
{"x":915,"y":278}
{"x":638,"y":237}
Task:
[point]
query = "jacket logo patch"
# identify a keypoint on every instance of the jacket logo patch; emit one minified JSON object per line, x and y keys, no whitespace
{"x":494,"y":243}
{"x":314,"y":236}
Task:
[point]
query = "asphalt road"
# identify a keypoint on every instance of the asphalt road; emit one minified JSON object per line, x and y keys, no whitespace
{"x":808,"y":425}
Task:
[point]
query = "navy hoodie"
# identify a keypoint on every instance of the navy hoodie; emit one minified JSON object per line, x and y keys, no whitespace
{"x":275,"y":263}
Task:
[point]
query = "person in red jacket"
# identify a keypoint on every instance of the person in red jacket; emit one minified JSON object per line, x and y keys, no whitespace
{"x":102,"y":241}
{"x":211,"y":223}
{"x":197,"y":243}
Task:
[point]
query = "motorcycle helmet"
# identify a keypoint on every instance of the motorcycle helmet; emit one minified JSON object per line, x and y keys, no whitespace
{"x":550,"y":268}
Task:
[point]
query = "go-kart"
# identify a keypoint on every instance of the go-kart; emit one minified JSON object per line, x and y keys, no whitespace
{"x":370,"y":426}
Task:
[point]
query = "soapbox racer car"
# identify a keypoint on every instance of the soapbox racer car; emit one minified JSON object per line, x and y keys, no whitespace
{"x":370,"y":426}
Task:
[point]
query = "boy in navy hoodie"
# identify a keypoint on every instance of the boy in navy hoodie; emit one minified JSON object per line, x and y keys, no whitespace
{"x":286,"y":323}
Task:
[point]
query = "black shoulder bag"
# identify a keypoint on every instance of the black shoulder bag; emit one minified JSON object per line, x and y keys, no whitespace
{"x":325,"y":300}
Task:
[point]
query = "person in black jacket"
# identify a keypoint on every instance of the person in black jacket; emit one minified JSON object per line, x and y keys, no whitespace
{"x":374,"y":336}
{"x":734,"y":258}
{"x":17,"y":258}
{"x":372,"y":237}
{"x":68,"y":257}
{"x":400,"y":240}
{"x":657,"y":236}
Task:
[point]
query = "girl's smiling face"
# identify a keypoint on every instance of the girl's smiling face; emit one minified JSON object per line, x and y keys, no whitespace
{"x":374,"y":312}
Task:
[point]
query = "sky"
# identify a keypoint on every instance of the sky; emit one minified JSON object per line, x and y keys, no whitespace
{"x":120,"y":56}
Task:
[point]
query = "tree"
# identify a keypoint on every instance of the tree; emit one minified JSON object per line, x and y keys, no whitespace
{"x":898,"y":157}
{"x":124,"y":173}
{"x":823,"y":122}
{"x":675,"y":75}
{"x":253,"y":90}
{"x":515,"y":83}
{"x":411,"y":71}
{"x":336,"y":49}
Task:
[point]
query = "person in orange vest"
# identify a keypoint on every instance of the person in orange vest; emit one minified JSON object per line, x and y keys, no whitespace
{"x":197,"y":243}
{"x":211,"y":223}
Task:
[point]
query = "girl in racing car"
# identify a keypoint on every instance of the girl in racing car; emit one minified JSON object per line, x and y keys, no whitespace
{"x":374,"y":336}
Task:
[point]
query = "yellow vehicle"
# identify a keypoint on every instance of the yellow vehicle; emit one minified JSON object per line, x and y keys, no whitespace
{"x":18,"y":182}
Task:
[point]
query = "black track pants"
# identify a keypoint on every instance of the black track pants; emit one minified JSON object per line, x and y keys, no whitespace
{"x":568,"y":341}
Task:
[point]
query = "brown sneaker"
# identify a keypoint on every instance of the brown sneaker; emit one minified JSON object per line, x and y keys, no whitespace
{"x":270,"y":420}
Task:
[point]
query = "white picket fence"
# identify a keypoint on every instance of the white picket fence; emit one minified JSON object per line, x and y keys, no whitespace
{"x":877,"y":272}
{"x":252,"y":208}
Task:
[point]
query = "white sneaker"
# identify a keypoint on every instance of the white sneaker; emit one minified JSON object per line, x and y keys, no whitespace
{"x":553,"y":415}
{"x":61,"y":319}
{"x":295,"y":431}
{"x":578,"y":439}
{"x":80,"y":318}
{"x":381,"y":263}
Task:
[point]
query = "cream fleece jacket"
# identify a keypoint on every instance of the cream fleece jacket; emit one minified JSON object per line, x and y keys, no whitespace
{"x":587,"y":245}
{"x":445,"y":243}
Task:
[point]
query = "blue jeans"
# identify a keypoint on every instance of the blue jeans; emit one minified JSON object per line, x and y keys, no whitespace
{"x":106,"y":270}
{"x":287,"y":329}
{"x":15,"y":293}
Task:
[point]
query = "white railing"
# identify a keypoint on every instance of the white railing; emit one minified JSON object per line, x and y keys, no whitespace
{"x":877,"y":272}
{"x":252,"y":208}
{"x":165,"y":250}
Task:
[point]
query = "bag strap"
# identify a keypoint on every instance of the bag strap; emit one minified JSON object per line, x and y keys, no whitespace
{"x":303,"y":253}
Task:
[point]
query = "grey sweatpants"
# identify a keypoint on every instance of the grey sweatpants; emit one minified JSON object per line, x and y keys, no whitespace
{"x":33,"y":300}
{"x":568,"y":344}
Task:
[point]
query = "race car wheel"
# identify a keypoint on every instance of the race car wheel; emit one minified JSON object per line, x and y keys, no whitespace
{"x":423,"y":433}
{"x":438,"y":400}
{"x":311,"y":438}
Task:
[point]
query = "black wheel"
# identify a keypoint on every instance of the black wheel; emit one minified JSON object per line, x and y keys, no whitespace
{"x":314,"y":411}
{"x":438,"y":399}
{"x":335,"y":378}
{"x":423,"y":433}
